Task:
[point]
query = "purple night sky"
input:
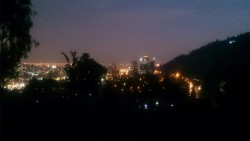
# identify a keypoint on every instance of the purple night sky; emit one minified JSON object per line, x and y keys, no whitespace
{"x":123,"y":30}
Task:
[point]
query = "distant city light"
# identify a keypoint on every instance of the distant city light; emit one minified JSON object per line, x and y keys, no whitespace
{"x":230,"y":42}
{"x":177,"y":75}
{"x":156,"y":103}
{"x":199,"y":88}
{"x":39,"y":71}
{"x":191,"y":85}
{"x":15,"y":86}
{"x":145,"y":106}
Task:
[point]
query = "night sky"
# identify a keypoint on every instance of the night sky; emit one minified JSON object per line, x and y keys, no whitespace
{"x":123,"y":30}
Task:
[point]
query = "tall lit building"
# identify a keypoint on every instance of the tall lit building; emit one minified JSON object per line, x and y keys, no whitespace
{"x":146,"y":65}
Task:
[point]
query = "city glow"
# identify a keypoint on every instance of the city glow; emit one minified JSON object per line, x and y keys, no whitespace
{"x":15,"y":86}
{"x":39,"y":71}
{"x":191,"y":85}
{"x":177,"y":75}
{"x":199,"y":88}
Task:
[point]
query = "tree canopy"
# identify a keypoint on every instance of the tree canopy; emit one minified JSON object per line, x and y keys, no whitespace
{"x":15,"y":38}
{"x":84,"y":73}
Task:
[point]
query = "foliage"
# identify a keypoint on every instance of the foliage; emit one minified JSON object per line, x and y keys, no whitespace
{"x":84,"y":73}
{"x":15,"y":38}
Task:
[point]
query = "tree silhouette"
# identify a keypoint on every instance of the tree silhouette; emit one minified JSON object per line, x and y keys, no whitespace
{"x":84,"y":73}
{"x":15,"y":39}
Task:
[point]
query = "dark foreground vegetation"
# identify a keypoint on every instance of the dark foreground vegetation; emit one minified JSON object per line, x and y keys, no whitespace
{"x":135,"y":106}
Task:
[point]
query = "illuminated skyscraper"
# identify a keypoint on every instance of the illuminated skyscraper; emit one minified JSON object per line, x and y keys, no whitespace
{"x":146,"y":66}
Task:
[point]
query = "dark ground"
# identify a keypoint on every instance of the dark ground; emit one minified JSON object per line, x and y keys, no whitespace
{"x":121,"y":126}
{"x":20,"y":121}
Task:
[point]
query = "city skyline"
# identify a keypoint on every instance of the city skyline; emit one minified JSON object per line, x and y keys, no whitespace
{"x":122,"y":31}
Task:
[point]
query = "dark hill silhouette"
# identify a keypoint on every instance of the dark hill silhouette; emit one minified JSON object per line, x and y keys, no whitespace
{"x":224,"y":68}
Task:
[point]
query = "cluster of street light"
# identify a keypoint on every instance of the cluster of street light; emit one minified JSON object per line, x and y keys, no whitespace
{"x":194,"y":85}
